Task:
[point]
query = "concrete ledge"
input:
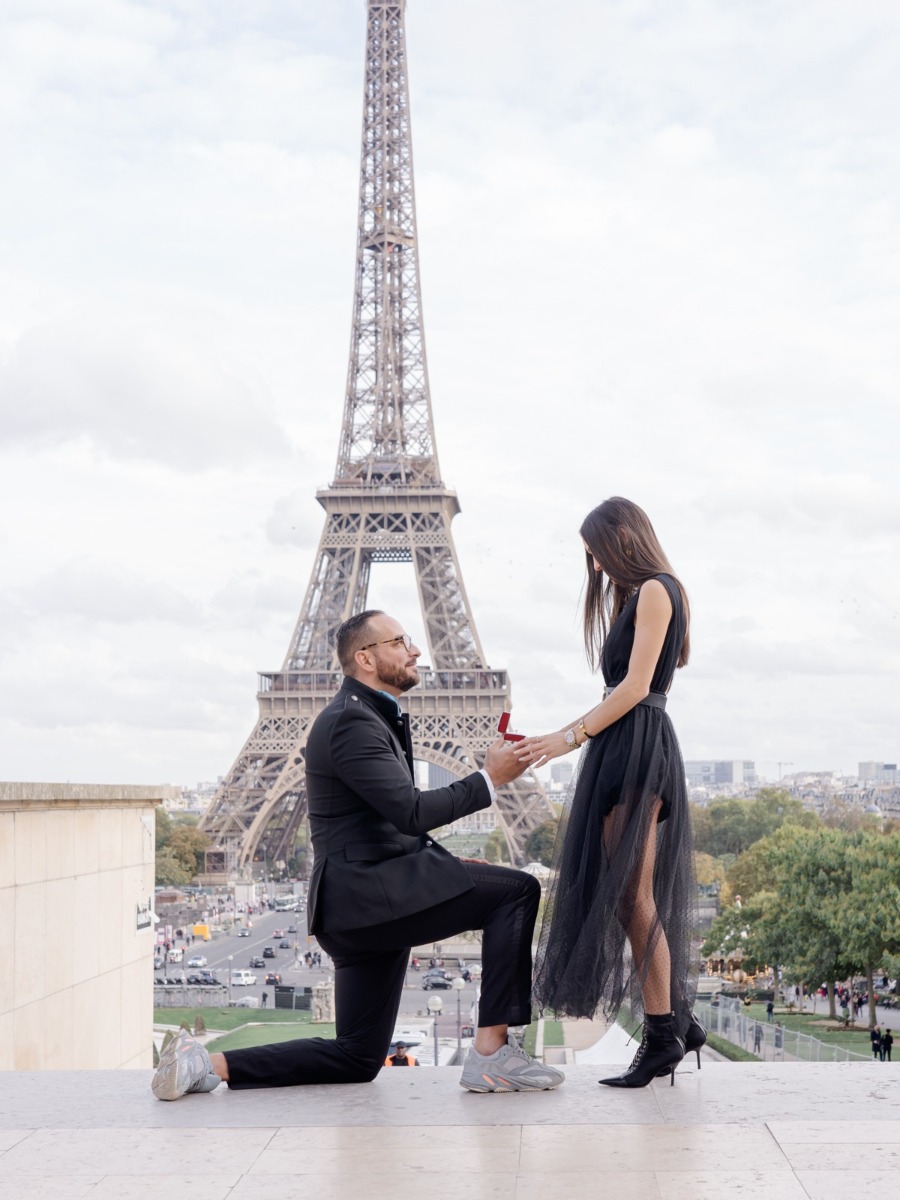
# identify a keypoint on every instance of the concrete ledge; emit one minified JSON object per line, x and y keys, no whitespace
{"x":785,"y":1131}
{"x":733,"y":1093}
{"x":15,"y":796}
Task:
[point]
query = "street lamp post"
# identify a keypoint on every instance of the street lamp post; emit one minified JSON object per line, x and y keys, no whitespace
{"x":435,"y":1006}
{"x":230,"y":961}
{"x":458,"y":984}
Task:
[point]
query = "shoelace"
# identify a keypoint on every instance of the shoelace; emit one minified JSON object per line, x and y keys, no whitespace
{"x":642,"y":1050}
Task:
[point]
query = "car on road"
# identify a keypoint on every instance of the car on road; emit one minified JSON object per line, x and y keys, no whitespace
{"x":268,"y":951}
{"x":243,"y":978}
{"x":292,"y":928}
{"x":273,"y":977}
{"x":243,"y":933}
{"x":197,"y":960}
{"x":436,"y":978}
{"x":278,"y":933}
{"x":284,"y":944}
{"x":204,"y":979}
{"x":257,"y":962}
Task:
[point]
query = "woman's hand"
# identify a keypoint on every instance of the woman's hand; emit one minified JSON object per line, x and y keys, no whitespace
{"x":535,"y":751}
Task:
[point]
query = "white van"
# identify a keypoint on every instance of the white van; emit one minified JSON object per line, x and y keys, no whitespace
{"x":176,"y":955}
{"x":243,"y":977}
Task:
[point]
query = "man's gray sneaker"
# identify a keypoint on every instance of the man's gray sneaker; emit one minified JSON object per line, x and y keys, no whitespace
{"x":509,"y":1070}
{"x":184,"y":1066}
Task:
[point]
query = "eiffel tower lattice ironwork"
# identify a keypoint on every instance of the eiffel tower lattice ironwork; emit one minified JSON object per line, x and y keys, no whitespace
{"x":387,"y":503}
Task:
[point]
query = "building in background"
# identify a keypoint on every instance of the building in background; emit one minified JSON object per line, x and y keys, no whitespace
{"x":878,"y":772}
{"x":714,"y":773}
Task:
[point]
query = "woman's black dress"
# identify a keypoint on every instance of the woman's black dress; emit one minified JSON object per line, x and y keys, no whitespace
{"x":584,"y":961}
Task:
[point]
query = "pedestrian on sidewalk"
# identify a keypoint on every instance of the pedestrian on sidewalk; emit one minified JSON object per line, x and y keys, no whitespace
{"x":875,"y":1039}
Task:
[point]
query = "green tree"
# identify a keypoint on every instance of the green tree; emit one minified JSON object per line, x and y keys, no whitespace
{"x":170,"y":871}
{"x":869,"y":918}
{"x":758,"y":869}
{"x":495,"y":847}
{"x":163,"y":827}
{"x":187,"y":844}
{"x":730,"y":937}
{"x":798,"y":924}
{"x":732,"y":825}
{"x":709,"y":870}
{"x":540,"y":842}
{"x":296,"y":864}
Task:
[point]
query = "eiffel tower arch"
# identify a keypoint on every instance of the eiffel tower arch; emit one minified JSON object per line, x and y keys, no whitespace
{"x":386,"y":504}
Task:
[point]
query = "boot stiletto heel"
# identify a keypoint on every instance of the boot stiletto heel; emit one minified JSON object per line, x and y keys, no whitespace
{"x":694,"y":1038}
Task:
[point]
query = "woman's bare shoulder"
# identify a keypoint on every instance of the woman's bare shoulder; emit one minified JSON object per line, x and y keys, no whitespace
{"x":654,"y":596}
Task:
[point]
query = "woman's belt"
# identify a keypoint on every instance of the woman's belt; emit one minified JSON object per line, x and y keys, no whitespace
{"x":651,"y":700}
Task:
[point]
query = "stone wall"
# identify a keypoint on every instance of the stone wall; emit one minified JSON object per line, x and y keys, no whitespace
{"x":77,"y":873}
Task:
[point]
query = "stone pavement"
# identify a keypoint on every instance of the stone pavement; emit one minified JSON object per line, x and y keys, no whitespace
{"x":782,"y":1131}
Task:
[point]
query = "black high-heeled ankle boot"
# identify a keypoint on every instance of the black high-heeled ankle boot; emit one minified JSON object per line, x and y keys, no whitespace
{"x":660,"y":1052}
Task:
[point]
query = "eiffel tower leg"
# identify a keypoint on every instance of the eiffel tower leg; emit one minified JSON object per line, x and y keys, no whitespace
{"x":445,"y":607}
{"x":283,"y":810}
{"x":262,"y":800}
{"x":337,"y":589}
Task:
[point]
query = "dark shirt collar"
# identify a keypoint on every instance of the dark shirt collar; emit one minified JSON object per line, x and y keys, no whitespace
{"x":387,"y":706}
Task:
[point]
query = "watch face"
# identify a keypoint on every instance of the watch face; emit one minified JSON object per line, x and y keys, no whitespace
{"x":570,"y":737}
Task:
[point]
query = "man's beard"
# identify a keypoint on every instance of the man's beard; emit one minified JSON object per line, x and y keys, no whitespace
{"x":403,"y":678}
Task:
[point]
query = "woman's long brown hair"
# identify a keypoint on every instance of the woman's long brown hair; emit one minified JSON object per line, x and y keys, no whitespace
{"x":620,"y":536}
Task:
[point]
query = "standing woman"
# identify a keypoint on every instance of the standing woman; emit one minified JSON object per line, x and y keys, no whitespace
{"x":624,"y":876}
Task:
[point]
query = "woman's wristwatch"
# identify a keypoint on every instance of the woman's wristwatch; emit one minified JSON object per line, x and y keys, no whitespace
{"x":571,"y":735}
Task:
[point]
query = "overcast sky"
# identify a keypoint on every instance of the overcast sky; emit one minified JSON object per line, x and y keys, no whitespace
{"x":660,"y":256}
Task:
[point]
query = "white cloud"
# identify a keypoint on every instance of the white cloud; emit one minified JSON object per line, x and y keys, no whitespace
{"x":131,"y":394}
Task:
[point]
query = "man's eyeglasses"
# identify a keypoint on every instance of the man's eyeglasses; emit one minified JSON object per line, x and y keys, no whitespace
{"x":401,"y":637}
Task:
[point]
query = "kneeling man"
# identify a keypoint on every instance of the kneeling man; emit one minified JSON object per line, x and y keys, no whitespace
{"x":381,"y":885}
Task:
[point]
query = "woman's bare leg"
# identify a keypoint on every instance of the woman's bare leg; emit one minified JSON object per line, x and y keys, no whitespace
{"x":649,"y":947}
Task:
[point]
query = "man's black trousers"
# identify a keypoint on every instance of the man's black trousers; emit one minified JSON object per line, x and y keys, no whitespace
{"x":370,"y":969}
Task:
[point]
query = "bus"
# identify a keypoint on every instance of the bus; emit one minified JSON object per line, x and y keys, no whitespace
{"x":286,"y":903}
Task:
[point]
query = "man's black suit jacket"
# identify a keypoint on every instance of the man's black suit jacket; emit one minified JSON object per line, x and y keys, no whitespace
{"x":373,"y":858}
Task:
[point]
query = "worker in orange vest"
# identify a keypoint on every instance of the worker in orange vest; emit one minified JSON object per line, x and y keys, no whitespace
{"x":401,"y":1058}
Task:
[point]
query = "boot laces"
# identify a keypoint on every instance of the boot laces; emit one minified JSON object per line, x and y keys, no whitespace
{"x":641,"y":1051}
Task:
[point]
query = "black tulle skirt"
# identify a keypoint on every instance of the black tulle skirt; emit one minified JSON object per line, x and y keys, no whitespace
{"x":584,"y":963}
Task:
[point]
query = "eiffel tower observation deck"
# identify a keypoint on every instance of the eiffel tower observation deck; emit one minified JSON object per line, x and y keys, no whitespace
{"x":387,"y":504}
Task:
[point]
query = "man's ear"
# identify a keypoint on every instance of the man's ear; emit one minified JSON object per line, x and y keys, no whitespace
{"x":364,"y":664}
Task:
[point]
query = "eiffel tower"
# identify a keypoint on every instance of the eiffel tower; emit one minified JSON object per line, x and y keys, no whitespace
{"x":386,"y":504}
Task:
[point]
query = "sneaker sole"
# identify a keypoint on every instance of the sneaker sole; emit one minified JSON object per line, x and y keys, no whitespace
{"x":500,"y":1086}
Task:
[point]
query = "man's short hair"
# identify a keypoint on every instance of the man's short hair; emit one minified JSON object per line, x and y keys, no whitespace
{"x":402,"y":1046}
{"x":352,"y":636}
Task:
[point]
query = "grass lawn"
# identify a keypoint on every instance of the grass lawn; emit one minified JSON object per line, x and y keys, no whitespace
{"x":818,"y":1025}
{"x":261,"y":1035}
{"x":225,"y":1019}
{"x":553,"y":1035}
